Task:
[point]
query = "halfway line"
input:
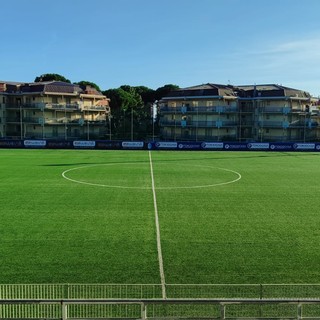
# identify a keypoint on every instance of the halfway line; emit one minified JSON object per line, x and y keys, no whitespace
{"x":162,"y":277}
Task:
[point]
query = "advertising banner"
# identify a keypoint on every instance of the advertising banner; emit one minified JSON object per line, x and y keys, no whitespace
{"x":112,"y":145}
{"x":11,"y":144}
{"x":281,"y":147}
{"x":84,"y":144}
{"x":304,"y":146}
{"x":212,"y":145}
{"x":189,"y":145}
{"x":35,"y":143}
{"x":166,"y":145}
{"x":132,"y":144}
{"x":235,"y":146}
{"x":258,"y":146}
{"x":51,"y":144}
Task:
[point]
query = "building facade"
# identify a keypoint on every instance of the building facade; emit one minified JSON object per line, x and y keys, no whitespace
{"x":214,"y":112}
{"x":52,"y":110}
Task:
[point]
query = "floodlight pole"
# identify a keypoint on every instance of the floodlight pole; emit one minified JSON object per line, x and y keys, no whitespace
{"x":110,"y":135}
{"x":21,"y":135}
{"x":132,"y":124}
{"x":88,"y":128}
{"x":65,"y":123}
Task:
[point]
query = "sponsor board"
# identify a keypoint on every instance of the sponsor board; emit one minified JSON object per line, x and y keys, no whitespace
{"x":84,"y":144}
{"x":107,"y":145}
{"x":304,"y":146}
{"x":59,"y":144}
{"x":188,"y":145}
{"x":281,"y":147}
{"x":318,"y":147}
{"x":166,"y":145}
{"x":235,"y":146}
{"x":258,"y":145}
{"x":132,"y":144}
{"x":11,"y":144}
{"x":212,"y":145}
{"x":35,"y":143}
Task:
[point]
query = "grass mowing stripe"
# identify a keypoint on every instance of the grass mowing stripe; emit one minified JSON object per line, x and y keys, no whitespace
{"x":162,"y":277}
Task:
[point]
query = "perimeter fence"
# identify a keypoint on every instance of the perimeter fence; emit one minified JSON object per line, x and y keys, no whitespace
{"x":154,"y":291}
{"x":145,"y":301}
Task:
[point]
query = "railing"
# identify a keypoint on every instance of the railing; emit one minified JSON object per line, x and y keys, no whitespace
{"x":200,"y":109}
{"x":153,"y":291}
{"x":145,"y":301}
{"x":203,"y":124}
{"x":13,"y":119}
{"x":161,"y":309}
{"x":271,"y":124}
{"x":96,"y":108}
{"x":62,"y":106}
{"x":44,"y":105}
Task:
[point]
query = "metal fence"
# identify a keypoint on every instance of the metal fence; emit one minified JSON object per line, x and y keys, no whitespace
{"x":144,"y":301}
{"x":154,"y":291}
{"x":161,"y":309}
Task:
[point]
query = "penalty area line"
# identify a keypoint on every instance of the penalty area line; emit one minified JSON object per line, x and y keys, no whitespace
{"x":162,"y":276}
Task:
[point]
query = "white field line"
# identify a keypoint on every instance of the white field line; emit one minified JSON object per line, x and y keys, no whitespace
{"x":65,"y":176}
{"x":162,"y":277}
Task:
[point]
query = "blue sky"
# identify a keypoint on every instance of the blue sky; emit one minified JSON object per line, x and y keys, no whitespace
{"x":153,"y":43}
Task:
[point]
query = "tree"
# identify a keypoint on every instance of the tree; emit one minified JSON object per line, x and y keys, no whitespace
{"x":51,"y":77}
{"x":130,"y":115}
{"x":147,"y":94}
{"x":132,"y":110}
{"x":163,"y":91}
{"x":84,"y":83}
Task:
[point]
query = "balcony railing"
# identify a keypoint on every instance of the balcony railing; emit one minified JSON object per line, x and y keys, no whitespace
{"x":200,"y":109}
{"x":202,"y":124}
{"x":13,"y":119}
{"x":93,"y":108}
{"x":43,"y":105}
{"x":199,"y":137}
{"x":62,"y":106}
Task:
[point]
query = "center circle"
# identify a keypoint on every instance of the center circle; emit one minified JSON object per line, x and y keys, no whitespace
{"x":138,"y":176}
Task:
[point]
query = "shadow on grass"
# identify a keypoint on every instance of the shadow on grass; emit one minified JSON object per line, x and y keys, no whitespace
{"x":249,"y":156}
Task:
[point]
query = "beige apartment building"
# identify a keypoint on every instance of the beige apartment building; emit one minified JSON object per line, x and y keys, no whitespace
{"x":213,"y":112}
{"x":52,"y":110}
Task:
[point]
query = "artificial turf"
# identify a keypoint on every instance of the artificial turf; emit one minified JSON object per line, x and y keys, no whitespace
{"x":214,"y":227}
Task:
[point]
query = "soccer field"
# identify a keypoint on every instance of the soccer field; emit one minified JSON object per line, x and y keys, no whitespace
{"x":84,"y":216}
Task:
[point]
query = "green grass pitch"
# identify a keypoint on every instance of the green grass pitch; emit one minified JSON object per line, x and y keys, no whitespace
{"x":97,"y":225}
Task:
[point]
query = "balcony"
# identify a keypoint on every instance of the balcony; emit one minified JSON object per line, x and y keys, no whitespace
{"x":31,"y":120}
{"x":200,"y":109}
{"x":13,"y":120}
{"x":198,"y":137}
{"x":61,"y":106}
{"x":43,"y":105}
{"x":199,"y":124}
{"x":93,"y":108}
{"x":272,"y":124}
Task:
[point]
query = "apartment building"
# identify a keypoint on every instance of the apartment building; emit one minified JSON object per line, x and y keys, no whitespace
{"x":213,"y":112}
{"x":52,"y":110}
